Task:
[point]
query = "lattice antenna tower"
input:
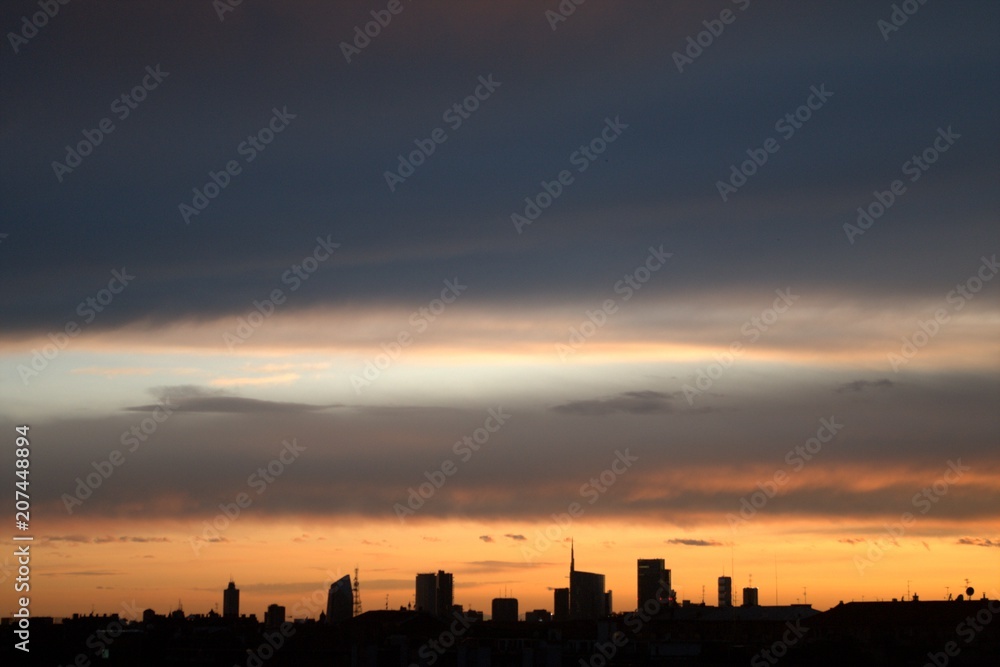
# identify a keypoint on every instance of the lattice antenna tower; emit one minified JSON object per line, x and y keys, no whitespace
{"x":357,"y":594}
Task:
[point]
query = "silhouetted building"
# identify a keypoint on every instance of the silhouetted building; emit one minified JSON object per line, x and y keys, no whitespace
{"x":435,"y":593}
{"x":231,"y":601}
{"x":560,"y":604}
{"x":931,"y":632}
{"x":653,"y":581}
{"x":750,"y":597}
{"x":274,"y":616}
{"x":426,"y":593}
{"x":725,"y":591}
{"x":505,"y":610}
{"x":537,"y":616}
{"x":445,"y":593}
{"x":587,"y":598}
{"x":340,"y":600}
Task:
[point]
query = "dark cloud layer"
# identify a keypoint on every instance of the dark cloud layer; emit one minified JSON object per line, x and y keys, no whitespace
{"x":691,"y":468}
{"x":321,"y":181}
{"x":324,"y":174}
{"x":630,"y":402}
{"x":862,"y":385}
{"x":189,"y":398}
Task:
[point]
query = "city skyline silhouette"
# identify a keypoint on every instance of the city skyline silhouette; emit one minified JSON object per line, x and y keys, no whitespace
{"x":507,"y":296}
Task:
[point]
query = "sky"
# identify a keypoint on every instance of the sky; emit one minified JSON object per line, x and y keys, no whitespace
{"x":712,"y":282}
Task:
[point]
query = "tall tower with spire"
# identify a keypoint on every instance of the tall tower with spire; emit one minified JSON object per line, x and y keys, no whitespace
{"x":587,"y":597}
{"x":231,"y":601}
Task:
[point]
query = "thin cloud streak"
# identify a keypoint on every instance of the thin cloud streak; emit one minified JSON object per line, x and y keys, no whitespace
{"x":190,"y":398}
{"x":631,"y":402}
{"x":689,"y":542}
{"x":858,"y":386}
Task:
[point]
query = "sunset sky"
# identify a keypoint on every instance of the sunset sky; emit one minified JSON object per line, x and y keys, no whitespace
{"x":414,"y":299}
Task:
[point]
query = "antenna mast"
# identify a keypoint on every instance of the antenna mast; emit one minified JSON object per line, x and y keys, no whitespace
{"x":775,"y":580}
{"x":357,"y":594}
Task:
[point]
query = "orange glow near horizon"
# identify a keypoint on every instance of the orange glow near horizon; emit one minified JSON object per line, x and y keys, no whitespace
{"x":293,"y":562}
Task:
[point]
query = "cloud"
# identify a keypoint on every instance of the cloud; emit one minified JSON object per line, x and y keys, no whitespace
{"x":486,"y":538}
{"x":978,"y":542}
{"x":144,"y":539}
{"x":692,"y":475}
{"x":516,"y":538}
{"x":69,"y":538}
{"x":124,"y":538}
{"x":629,"y":402}
{"x":688,"y":542}
{"x":106,"y":539}
{"x":851,"y":540}
{"x":213,"y":275}
{"x":191,"y":398}
{"x":494,"y":566}
{"x":862,"y":385}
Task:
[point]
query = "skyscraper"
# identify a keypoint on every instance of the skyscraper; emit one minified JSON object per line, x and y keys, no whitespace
{"x":725,"y":591}
{"x":653,"y":581}
{"x":505,"y":610}
{"x":750,"y":596}
{"x":560,"y":604}
{"x":587,"y":597}
{"x":274,"y":616}
{"x":340,"y":600}
{"x":231,"y":601}
{"x":435,"y":593}
{"x":426,"y":593}
{"x":445,"y":593}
